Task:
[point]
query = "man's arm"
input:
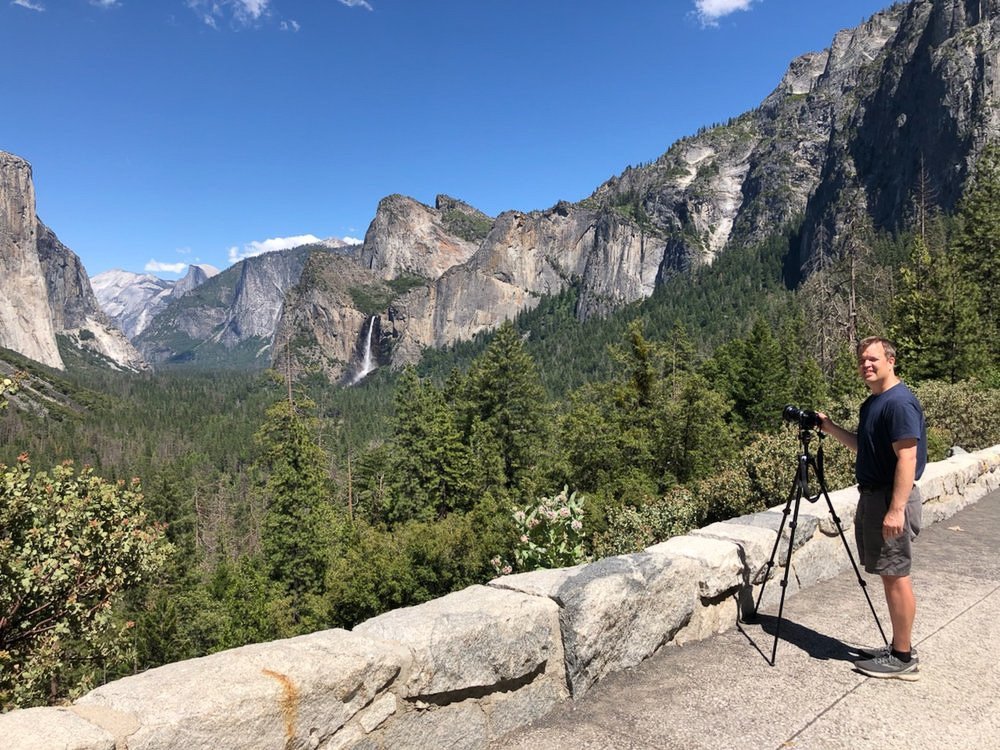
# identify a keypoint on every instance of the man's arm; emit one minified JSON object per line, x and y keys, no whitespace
{"x":902,"y":485}
{"x":848,"y":438}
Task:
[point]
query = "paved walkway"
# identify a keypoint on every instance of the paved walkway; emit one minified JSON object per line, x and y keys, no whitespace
{"x":723,"y":693}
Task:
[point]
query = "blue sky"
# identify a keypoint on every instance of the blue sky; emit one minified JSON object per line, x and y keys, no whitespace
{"x":168,"y":132}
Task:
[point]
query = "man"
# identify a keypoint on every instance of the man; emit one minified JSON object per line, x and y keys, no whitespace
{"x":891,"y":447}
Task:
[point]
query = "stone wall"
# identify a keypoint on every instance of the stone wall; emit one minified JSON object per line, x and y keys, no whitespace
{"x":471,"y":666}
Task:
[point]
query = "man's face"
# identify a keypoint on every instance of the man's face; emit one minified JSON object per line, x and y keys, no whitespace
{"x":875,"y":368}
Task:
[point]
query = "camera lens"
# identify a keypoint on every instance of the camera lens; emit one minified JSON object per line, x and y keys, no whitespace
{"x":805,"y":418}
{"x":790,"y":413}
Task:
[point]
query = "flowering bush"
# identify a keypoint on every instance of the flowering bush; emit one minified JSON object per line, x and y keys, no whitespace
{"x":550,"y":534}
{"x":8,"y":386}
{"x":71,"y":544}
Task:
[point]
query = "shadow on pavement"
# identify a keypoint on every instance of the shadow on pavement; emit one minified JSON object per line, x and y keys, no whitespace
{"x":815,"y":644}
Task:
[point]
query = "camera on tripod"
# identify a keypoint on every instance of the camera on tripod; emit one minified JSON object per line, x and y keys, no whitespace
{"x":805,"y":418}
{"x":807,"y":421}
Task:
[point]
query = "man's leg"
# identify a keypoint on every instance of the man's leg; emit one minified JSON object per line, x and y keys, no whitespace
{"x":902,"y":609}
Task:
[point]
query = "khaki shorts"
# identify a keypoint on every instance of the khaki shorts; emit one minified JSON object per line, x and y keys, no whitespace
{"x":885,"y":558}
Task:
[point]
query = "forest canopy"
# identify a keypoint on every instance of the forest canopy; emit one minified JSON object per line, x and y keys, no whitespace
{"x":265,"y":509}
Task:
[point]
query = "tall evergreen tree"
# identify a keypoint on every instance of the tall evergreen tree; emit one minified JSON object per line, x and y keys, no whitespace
{"x":694,"y":437}
{"x":430,"y":468}
{"x":504,"y":394}
{"x":977,"y":243}
{"x":753,"y":372}
{"x":298,"y":525}
{"x":935,"y":321}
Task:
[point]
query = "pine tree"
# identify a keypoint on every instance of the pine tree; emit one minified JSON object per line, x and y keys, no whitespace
{"x":694,"y":436}
{"x":977,"y":244}
{"x":430,"y":471}
{"x":935,"y":312}
{"x":753,"y":371}
{"x":936,"y":325}
{"x":504,"y":394}
{"x":298,"y":525}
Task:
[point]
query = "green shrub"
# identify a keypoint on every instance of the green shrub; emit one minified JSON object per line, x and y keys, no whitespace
{"x":764,"y":472}
{"x":70,"y":544}
{"x":965,"y":414}
{"x":631,"y":529}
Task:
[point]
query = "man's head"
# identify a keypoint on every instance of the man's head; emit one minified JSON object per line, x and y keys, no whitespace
{"x":877,"y":363}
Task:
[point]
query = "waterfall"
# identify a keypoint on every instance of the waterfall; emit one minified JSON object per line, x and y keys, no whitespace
{"x":366,"y":360}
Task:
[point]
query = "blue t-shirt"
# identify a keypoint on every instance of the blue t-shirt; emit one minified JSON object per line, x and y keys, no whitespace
{"x":892,"y":415}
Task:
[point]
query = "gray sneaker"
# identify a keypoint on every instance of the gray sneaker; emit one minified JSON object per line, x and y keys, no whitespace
{"x":876,"y":651}
{"x":888,"y":665}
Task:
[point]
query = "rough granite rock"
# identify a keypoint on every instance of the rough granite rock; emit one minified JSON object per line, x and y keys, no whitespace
{"x":477,"y":640}
{"x":25,"y":319}
{"x":276,"y":694}
{"x":74,"y":308}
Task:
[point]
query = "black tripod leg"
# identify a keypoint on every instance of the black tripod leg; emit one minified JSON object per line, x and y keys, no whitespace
{"x":784,"y":578}
{"x":857,"y":571}
{"x":769,"y":565}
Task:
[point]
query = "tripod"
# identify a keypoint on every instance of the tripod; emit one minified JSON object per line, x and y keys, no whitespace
{"x":800,"y":489}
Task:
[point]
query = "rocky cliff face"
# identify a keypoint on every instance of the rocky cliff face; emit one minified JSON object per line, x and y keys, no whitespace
{"x":740,"y":182}
{"x":230,"y":319}
{"x":523,"y":257}
{"x":25,"y":320}
{"x":325,"y":318}
{"x":407,"y":238}
{"x":132,"y":300}
{"x":74,"y":309}
{"x":844,"y":134}
{"x":44,"y":290}
{"x":925,"y":103}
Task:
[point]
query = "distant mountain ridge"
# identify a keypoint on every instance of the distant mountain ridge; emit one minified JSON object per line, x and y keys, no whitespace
{"x":132,"y":300}
{"x":840,"y":142}
{"x":228,"y":320}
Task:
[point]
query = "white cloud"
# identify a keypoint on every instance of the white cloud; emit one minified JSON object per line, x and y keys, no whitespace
{"x":352,"y":240}
{"x":106,"y":3}
{"x":357,"y":4}
{"x":155,"y":266}
{"x":290,"y":26}
{"x":247,"y":11}
{"x":710,"y":11}
{"x":269,"y":246}
{"x":239,"y":12}
{"x":29,"y":5}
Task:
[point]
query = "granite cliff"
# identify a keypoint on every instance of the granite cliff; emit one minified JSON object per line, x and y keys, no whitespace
{"x":25,"y":320}
{"x":908,"y":95}
{"x":845,"y":134}
{"x":44,"y":290}
{"x":228,"y":321}
{"x":132,"y":300}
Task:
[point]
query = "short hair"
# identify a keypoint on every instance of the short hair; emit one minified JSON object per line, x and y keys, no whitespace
{"x":887,"y":345}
